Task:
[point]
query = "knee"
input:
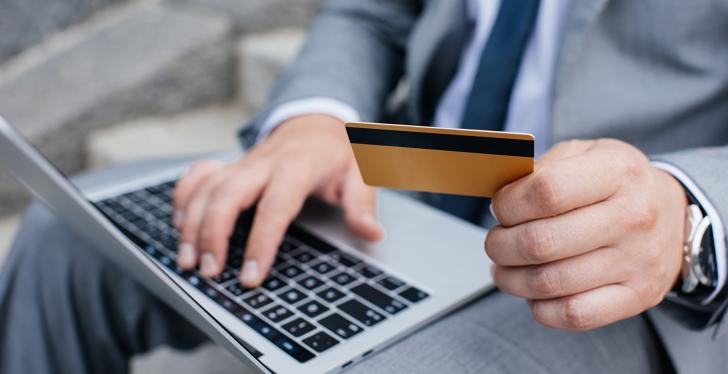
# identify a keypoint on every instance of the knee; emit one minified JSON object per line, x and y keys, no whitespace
{"x":44,"y":242}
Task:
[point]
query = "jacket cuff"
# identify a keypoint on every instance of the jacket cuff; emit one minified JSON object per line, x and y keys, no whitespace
{"x":719,"y":238}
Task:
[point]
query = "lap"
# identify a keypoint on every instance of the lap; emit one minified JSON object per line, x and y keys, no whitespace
{"x":497,"y":334}
{"x":493,"y":334}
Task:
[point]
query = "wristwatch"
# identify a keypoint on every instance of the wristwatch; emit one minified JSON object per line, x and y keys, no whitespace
{"x":698,"y":272}
{"x":692,"y":301}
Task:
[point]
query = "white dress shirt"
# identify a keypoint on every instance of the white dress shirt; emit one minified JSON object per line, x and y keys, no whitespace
{"x":529,"y":107}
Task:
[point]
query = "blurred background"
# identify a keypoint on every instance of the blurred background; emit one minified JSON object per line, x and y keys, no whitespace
{"x":94,"y":83}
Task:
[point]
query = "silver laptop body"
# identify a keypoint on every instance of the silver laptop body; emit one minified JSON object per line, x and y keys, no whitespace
{"x":331,"y":300}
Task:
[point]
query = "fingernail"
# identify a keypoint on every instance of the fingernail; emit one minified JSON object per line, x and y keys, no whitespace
{"x":250,"y":272}
{"x":186,"y":255}
{"x":208,"y":265}
{"x":371,"y":221}
{"x":178,"y":219}
{"x":492,"y":212}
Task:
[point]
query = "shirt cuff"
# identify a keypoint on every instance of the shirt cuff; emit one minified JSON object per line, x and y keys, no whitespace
{"x":719,"y":237}
{"x":312,"y":105}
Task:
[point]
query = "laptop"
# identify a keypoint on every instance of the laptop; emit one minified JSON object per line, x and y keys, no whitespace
{"x":330,"y":299}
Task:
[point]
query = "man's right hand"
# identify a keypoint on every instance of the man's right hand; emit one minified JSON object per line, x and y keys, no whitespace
{"x":303,"y":156}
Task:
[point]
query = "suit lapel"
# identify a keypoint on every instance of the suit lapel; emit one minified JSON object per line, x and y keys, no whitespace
{"x":429,"y":64}
{"x":582,"y":16}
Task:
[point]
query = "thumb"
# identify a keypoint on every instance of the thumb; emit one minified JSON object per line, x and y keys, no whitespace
{"x":359,"y":202}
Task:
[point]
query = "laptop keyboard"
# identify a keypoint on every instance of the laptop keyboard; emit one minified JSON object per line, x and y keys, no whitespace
{"x":315,"y":297}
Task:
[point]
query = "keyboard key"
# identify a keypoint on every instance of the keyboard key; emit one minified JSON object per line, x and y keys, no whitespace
{"x":378,"y":298}
{"x":304,"y":257}
{"x":227,"y":302}
{"x":320,"y":341}
{"x":292,"y":295}
{"x":225,"y":276}
{"x":294,"y":349}
{"x":276,"y":337}
{"x":169,"y":242}
{"x":323,"y":267}
{"x":208,"y":290}
{"x":258,"y":300}
{"x":370,"y":271}
{"x":234,"y":262}
{"x":277,"y":313}
{"x":391,"y":283}
{"x":362,"y":313}
{"x":340,"y":326}
{"x":311,"y":240}
{"x":273,"y":284}
{"x":347,"y":259}
{"x":343,"y":278}
{"x":194,"y":280}
{"x":312,"y":308}
{"x":279,"y":260}
{"x":331,"y":294}
{"x":288,"y":246}
{"x":414,"y":295}
{"x":237,"y":289}
{"x":291,"y":271}
{"x":298,"y":327}
{"x":311,"y":283}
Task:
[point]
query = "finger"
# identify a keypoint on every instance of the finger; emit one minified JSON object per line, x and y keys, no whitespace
{"x":589,"y":310}
{"x":190,"y":233}
{"x":278,"y":206}
{"x":550,"y":239}
{"x":359,"y":202}
{"x":186,"y":186}
{"x":562,"y":278}
{"x":559,"y":187}
{"x":565,"y":149}
{"x":237,"y":192}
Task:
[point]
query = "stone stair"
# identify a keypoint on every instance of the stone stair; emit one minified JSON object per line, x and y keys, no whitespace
{"x":24,"y":23}
{"x":196,"y":132}
{"x":144,"y":58}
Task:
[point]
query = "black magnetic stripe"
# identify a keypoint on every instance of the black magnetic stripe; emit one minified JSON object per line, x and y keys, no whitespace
{"x":441,"y":142}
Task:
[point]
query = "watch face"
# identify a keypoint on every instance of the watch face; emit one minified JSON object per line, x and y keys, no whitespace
{"x":706,"y":258}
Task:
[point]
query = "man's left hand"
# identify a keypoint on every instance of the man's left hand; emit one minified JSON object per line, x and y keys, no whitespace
{"x":592,"y":237}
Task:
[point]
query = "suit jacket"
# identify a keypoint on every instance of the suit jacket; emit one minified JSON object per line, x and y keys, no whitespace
{"x":653,"y":73}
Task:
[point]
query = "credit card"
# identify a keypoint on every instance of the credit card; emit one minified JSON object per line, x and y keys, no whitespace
{"x":443,"y":160}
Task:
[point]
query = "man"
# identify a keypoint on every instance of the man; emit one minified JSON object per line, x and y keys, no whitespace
{"x":592,"y":240}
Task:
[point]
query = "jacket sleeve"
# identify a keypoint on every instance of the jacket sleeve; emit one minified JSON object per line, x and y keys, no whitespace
{"x":707,"y":170}
{"x":354,"y":54}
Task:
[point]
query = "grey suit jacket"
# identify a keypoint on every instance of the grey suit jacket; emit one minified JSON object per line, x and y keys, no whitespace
{"x":653,"y":73}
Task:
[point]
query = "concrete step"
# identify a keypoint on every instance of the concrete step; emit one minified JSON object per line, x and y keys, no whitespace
{"x":261,"y":59}
{"x":27,"y":22}
{"x":142,"y":59}
{"x":249,"y":16}
{"x":202,"y":131}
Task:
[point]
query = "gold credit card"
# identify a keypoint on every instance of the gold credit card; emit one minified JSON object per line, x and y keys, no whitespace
{"x":442,"y":160}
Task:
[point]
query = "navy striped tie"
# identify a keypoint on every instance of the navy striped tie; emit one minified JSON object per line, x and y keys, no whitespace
{"x":487,"y":105}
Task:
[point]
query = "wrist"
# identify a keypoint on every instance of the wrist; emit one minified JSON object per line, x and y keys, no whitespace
{"x":315,"y":120}
{"x":677,"y":199}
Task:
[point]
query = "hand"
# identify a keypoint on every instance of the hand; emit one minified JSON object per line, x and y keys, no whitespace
{"x":305,"y":155}
{"x":592,"y":237}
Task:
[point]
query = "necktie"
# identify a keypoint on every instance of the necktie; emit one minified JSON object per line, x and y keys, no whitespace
{"x":487,"y":105}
